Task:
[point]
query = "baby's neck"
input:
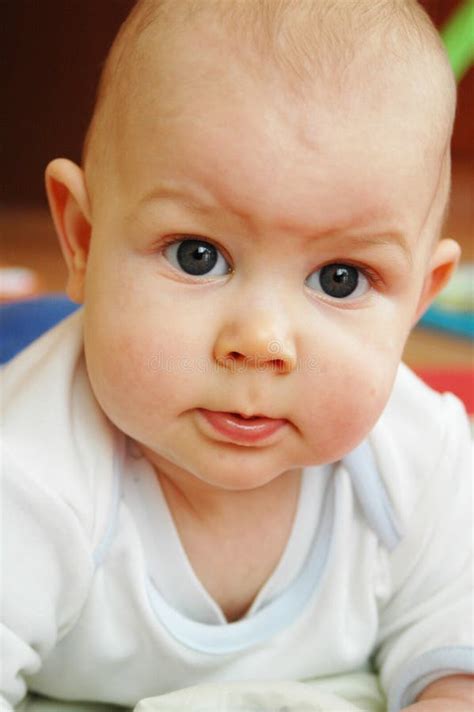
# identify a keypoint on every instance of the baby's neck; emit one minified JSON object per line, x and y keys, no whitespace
{"x":234,"y":540}
{"x":214,"y":508}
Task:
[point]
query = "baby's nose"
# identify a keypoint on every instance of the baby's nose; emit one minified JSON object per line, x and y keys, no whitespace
{"x":259,"y":342}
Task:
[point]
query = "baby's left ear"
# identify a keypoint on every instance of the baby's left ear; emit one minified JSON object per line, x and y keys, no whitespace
{"x":442,"y":264}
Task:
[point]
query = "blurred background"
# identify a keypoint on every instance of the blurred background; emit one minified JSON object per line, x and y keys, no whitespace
{"x":53,"y":53}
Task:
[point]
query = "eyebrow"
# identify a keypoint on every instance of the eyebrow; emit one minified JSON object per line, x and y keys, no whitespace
{"x":390,"y":238}
{"x":171,"y":192}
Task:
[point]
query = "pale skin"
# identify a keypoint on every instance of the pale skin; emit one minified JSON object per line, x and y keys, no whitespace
{"x":268,"y":180}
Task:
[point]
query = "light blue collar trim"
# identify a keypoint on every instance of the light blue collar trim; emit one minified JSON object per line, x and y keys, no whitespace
{"x":372,"y":495}
{"x":114,"y":506}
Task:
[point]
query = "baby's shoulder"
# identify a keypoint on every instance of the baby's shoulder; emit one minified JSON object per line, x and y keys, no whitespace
{"x":417,"y":415}
{"x":56,"y":443}
{"x":422,"y":442}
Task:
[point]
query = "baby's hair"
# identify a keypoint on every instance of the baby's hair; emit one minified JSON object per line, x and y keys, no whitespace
{"x":308,"y":41}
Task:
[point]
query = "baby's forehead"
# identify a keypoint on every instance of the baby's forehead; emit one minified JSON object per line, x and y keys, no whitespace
{"x":358,"y":52}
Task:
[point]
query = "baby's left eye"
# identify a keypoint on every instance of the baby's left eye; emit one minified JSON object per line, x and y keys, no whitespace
{"x":339,"y":281}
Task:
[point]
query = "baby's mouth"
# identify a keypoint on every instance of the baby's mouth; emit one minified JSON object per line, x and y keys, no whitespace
{"x":242,"y":428}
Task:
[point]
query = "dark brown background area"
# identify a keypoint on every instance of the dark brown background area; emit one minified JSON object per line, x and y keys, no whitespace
{"x":53,"y":52}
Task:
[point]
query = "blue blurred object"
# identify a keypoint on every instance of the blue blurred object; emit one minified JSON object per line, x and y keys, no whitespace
{"x":24,"y":321}
{"x":458,"y":323}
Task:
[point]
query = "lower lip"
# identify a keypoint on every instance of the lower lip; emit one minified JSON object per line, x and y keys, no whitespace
{"x":242,"y":430}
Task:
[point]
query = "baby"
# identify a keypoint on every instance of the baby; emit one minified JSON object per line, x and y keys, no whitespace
{"x":217,"y":470}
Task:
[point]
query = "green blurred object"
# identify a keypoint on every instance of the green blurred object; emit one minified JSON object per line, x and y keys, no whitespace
{"x":458,"y":37}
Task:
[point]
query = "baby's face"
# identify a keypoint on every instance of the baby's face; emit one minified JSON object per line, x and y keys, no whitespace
{"x":255,"y":253}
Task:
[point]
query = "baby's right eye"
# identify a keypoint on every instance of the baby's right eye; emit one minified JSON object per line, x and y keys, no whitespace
{"x":197,"y":258}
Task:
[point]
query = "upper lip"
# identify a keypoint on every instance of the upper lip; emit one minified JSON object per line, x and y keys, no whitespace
{"x":248,"y":415}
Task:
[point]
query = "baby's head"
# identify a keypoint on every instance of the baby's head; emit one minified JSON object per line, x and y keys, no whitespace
{"x":256,"y":226}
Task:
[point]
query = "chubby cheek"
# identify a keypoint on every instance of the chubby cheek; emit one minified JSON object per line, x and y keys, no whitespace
{"x":343,"y":396}
{"x":140,"y":369}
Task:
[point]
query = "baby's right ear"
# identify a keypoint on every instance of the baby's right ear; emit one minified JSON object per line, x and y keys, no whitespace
{"x":70,"y":210}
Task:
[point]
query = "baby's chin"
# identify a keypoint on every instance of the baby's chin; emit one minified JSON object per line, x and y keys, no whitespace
{"x":236,"y":469}
{"x":244,"y":470}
